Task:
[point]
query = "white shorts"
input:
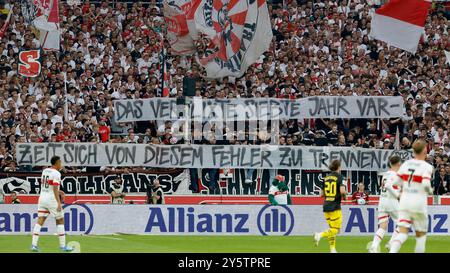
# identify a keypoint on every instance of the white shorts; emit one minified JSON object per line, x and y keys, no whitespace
{"x":46,"y":207}
{"x":418,"y":220}
{"x":383,"y":216}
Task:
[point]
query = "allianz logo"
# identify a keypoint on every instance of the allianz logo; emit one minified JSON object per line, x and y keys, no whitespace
{"x":77,"y":218}
{"x":271,"y":220}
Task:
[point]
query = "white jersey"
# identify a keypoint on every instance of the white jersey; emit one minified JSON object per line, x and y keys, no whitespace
{"x":414,"y":176}
{"x":389,"y":193}
{"x":280,"y":196}
{"x":50,"y":178}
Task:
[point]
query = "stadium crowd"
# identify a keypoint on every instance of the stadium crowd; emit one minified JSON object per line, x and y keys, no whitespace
{"x":320,"y":47}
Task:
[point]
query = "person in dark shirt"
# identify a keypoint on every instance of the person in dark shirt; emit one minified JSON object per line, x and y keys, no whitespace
{"x":441,"y":182}
{"x":158,"y":193}
{"x":333,"y":190}
{"x":14,"y":198}
{"x":332,"y":135}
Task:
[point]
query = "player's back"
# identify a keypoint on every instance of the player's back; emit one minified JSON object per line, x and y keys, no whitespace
{"x":389,"y":191}
{"x":331,"y":191}
{"x":50,"y":177}
{"x":416,"y":185}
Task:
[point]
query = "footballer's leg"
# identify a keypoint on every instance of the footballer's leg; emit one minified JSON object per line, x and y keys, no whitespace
{"x":60,"y":230}
{"x":334,"y":220}
{"x":404,"y":223}
{"x":420,"y":223}
{"x":383,"y":219}
{"x":394,"y":216}
{"x":43,"y":213}
{"x":320,"y":235}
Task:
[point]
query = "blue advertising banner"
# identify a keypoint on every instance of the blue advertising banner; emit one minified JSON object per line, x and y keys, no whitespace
{"x":205,"y":220}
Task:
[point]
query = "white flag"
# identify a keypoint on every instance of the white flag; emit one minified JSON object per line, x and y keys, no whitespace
{"x":447,"y":55}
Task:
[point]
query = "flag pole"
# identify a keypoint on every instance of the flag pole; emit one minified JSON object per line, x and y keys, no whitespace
{"x":163,"y":64}
{"x":66,"y":105}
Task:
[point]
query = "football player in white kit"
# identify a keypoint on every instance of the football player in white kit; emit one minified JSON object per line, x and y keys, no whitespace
{"x":50,"y":204}
{"x":414,"y":176}
{"x":388,"y":205}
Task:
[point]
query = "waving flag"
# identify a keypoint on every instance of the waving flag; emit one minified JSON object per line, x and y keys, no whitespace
{"x":400,"y":23}
{"x":447,"y":56}
{"x":178,"y":33}
{"x":6,"y":24}
{"x":239,"y":31}
{"x":48,"y":26}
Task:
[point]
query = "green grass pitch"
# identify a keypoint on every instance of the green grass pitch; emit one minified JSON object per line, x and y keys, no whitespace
{"x":211,"y":244}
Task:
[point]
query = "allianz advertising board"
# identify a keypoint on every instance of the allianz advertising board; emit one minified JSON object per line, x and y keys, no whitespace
{"x":204,"y":220}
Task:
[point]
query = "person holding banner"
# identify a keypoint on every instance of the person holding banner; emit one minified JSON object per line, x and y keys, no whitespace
{"x":333,"y":189}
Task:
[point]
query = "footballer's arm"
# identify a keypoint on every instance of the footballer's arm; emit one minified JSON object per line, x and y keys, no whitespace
{"x":58,"y":200}
{"x":343,"y":192}
{"x":390,"y":188}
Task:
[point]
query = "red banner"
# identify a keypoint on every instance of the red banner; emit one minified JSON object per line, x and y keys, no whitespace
{"x":29,"y":63}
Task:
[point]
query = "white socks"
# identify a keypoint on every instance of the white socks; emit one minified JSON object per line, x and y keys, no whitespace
{"x":36,"y":231}
{"x":397,"y":242}
{"x":420,"y":244}
{"x":378,"y":237}
{"x":61,"y":235}
{"x":394,"y":234}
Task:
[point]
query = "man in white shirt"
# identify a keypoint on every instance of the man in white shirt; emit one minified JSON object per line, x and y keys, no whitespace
{"x":414,"y":176}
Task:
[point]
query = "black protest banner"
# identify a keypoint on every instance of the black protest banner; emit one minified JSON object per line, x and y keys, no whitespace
{"x":178,"y":181}
{"x":240,"y":109}
{"x":205,"y":156}
{"x":172,"y":181}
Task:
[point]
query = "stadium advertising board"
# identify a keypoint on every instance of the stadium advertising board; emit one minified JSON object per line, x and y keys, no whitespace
{"x":240,"y":109}
{"x":205,"y":220}
{"x":205,"y":156}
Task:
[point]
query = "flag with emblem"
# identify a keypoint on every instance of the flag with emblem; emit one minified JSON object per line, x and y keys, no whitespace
{"x":400,"y":23}
{"x":239,"y":32}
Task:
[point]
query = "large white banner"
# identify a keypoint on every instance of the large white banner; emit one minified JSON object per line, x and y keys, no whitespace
{"x":239,"y":32}
{"x":260,"y":108}
{"x":205,"y":156}
{"x":205,"y":220}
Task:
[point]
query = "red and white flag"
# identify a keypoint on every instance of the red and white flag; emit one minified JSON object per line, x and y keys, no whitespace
{"x":178,"y":33}
{"x":165,"y":77}
{"x":166,"y":83}
{"x":400,"y":23}
{"x":48,"y":26}
{"x":6,"y":24}
{"x":239,"y":33}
